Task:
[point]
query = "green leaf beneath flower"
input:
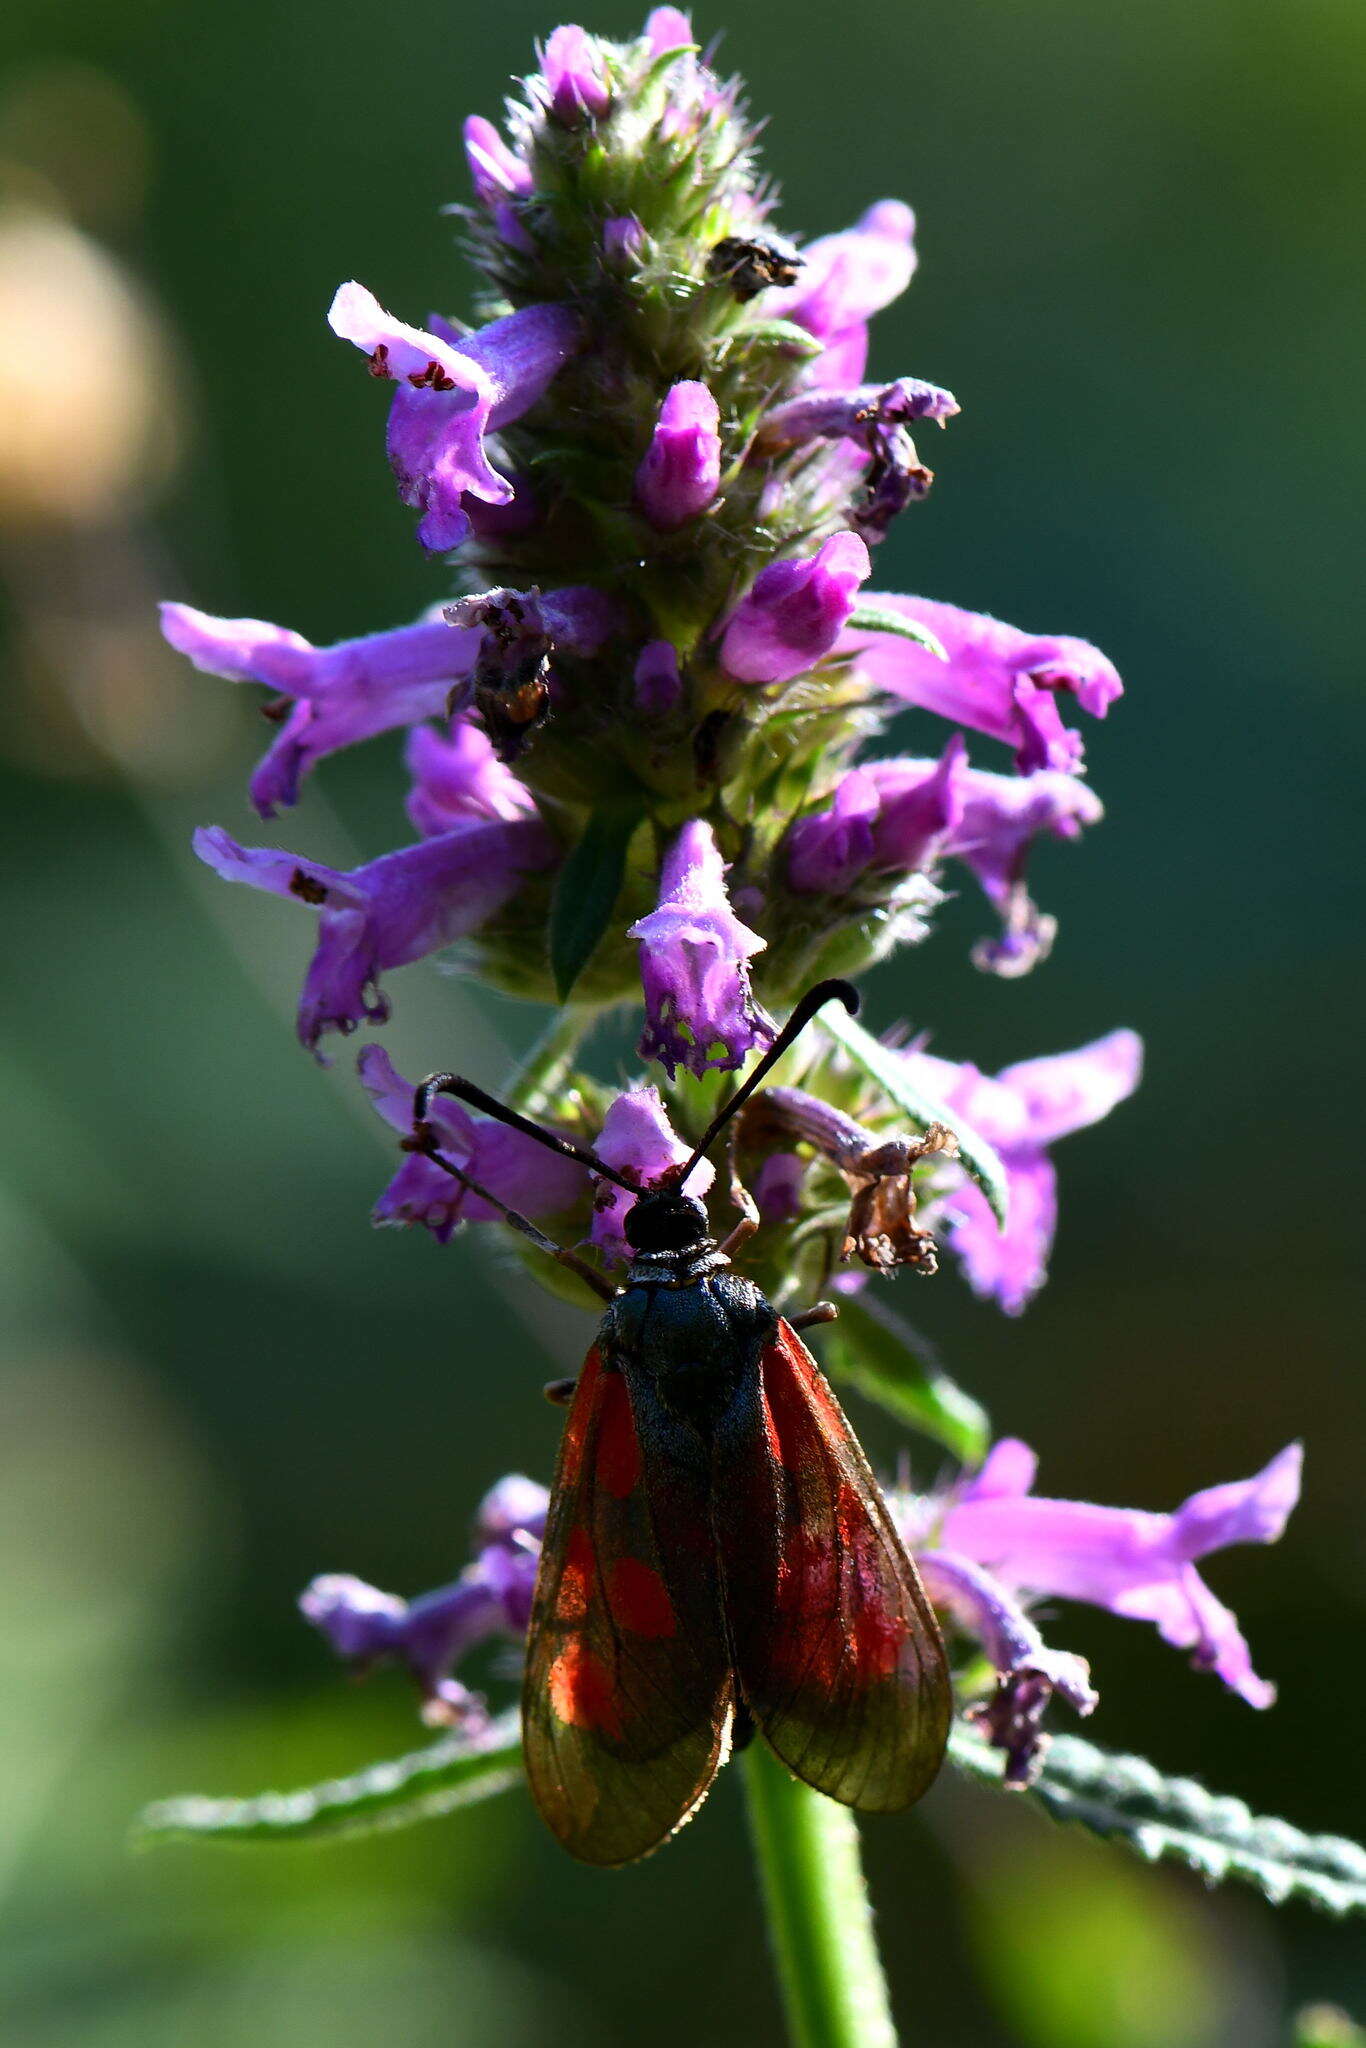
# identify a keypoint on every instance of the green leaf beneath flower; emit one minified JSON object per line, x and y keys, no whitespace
{"x":1126,"y":1799}
{"x":871,"y":1349}
{"x":890,"y":1072}
{"x":873,"y":618}
{"x":421,"y":1786}
{"x":587,"y":889}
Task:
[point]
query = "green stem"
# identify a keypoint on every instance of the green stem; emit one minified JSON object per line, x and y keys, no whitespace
{"x":549,"y":1060}
{"x":819,"y":1916}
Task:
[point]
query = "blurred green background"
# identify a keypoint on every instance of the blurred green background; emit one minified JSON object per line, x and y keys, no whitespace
{"x":1141,"y":236}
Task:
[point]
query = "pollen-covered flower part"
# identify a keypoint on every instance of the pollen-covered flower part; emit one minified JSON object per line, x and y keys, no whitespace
{"x":641,"y":716}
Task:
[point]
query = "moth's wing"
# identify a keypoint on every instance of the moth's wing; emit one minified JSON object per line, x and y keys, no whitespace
{"x":628,"y":1695}
{"x":836,"y":1647}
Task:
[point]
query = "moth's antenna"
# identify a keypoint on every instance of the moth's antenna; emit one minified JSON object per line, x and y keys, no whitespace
{"x":467,"y":1091}
{"x":815,"y":999}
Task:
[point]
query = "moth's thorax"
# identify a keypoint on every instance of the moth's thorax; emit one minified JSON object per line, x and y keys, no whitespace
{"x":677,"y":1269}
{"x":696,"y":1340}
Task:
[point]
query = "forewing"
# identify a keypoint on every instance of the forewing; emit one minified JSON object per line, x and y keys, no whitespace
{"x":836,"y":1648}
{"x":628,"y":1694}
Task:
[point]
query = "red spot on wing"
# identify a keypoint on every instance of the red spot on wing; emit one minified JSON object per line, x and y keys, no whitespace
{"x":580,"y":1415}
{"x":582,"y":1693}
{"x":576,"y":1577}
{"x":639,"y":1599}
{"x":618,"y":1450}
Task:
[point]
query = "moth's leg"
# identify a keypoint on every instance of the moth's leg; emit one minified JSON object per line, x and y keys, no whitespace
{"x":819,"y":1312}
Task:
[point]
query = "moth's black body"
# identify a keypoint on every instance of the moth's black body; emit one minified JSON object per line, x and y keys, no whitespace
{"x":685,"y":1324}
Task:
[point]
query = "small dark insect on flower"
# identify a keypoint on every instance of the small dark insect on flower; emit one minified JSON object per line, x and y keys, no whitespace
{"x":752,"y":265}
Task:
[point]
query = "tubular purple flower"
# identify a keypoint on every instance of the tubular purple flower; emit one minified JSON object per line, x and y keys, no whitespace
{"x":845,"y":279}
{"x":997,"y":679}
{"x":343,"y":694}
{"x":575,"y":87}
{"x":1022,"y":1111}
{"x":999,"y":817}
{"x":623,"y":242}
{"x":699,"y":1009}
{"x":875,"y":823}
{"x":667,"y":28}
{"x":457,"y":775}
{"x":387,"y":913}
{"x":1137,"y":1564}
{"x":492,"y":1597}
{"x":640,"y":1142}
{"x":515,"y":1168}
{"x":658,"y":684}
{"x":1028,"y":1672}
{"x":452,"y":391}
{"x":680,"y":473}
{"x":795,"y":612}
{"x":496,"y":172}
{"x":875,"y":418}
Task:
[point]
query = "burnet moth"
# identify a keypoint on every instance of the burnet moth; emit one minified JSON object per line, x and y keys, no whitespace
{"x":717,"y":1555}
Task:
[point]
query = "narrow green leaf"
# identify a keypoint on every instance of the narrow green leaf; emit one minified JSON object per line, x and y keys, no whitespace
{"x":587,"y":890}
{"x":889,"y":1070}
{"x":453,"y":1772}
{"x":875,"y":618}
{"x":872,"y":1349}
{"x":1126,"y":1799}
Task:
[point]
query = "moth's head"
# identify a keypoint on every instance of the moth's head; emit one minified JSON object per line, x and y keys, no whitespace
{"x":666,"y":1221}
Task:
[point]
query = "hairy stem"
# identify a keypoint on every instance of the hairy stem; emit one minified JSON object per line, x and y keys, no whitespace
{"x":819,"y":1916}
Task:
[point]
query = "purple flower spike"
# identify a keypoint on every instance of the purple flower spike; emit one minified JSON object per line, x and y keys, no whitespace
{"x":845,"y":279}
{"x":393,"y":910}
{"x":640,"y":1142}
{"x":452,"y":391}
{"x":795,"y":613}
{"x":1134,"y":1563}
{"x":1028,"y":1672}
{"x":1021,"y":1112}
{"x":667,"y":28}
{"x":515,"y":1168}
{"x":997,"y":679}
{"x":496,"y":172}
{"x":899,"y":826}
{"x":659,"y":687}
{"x":681,"y":470}
{"x":699,"y":1009}
{"x":572,"y":69}
{"x":457,"y":776}
{"x":492,"y":1597}
{"x":343,"y":694}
